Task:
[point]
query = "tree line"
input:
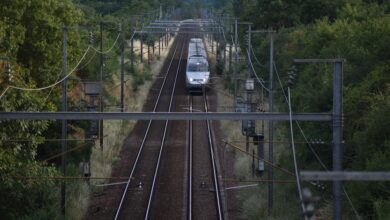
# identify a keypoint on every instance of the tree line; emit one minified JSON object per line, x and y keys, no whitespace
{"x":359,"y":32}
{"x":31,"y":56}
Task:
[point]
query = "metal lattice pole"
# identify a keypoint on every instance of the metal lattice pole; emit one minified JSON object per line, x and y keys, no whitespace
{"x":270,"y":125}
{"x":64,"y":122}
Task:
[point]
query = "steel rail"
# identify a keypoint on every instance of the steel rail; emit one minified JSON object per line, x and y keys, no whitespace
{"x":144,"y":138}
{"x":163,"y":141}
{"x":213,"y":162}
{"x":190,"y":157}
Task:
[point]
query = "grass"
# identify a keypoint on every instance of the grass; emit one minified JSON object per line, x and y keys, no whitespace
{"x":115,"y":132}
{"x":254,"y":200}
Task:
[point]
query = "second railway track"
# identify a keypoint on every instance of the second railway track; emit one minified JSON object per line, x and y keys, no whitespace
{"x":204,"y":193}
{"x":137,"y":196}
{"x":167,"y":179}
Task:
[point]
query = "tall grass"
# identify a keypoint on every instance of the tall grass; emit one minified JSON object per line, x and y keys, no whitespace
{"x":254,"y":200}
{"x":115,"y":132}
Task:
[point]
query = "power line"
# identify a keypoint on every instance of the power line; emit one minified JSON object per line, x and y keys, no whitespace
{"x":278,"y":142}
{"x":313,"y":151}
{"x":51,"y":90}
{"x":294,"y":156}
{"x":125,"y":178}
{"x":89,"y":61}
{"x":45,"y":140}
{"x":64,"y":78}
{"x":109,"y":50}
{"x":30,"y":178}
{"x":49,"y":86}
{"x":260,"y":80}
{"x":259,"y":181}
{"x":254,"y":55}
{"x":256,"y":157}
{"x":63,"y":153}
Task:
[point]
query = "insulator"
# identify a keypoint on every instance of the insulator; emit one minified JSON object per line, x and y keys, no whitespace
{"x":291,"y":76}
{"x":9,"y":72}
{"x":8,"y":66}
{"x":90,"y":37}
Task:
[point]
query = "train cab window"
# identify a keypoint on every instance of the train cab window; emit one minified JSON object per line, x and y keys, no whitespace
{"x":197,"y":67}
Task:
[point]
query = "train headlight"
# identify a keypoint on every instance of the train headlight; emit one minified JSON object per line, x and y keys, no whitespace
{"x":191,"y":79}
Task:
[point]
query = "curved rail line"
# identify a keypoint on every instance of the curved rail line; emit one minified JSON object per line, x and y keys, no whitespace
{"x":140,"y":151}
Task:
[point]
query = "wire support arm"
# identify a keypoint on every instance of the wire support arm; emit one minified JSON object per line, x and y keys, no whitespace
{"x":345,"y":175}
{"x":275,"y":116}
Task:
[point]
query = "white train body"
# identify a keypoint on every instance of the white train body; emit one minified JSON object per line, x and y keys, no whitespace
{"x":197,"y":71}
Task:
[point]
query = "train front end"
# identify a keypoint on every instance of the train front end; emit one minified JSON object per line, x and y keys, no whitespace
{"x":197,"y":74}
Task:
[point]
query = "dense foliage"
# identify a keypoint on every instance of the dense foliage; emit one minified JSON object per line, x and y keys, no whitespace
{"x":31,"y":39}
{"x":31,"y":43}
{"x":358,"y":31}
{"x":31,"y":35}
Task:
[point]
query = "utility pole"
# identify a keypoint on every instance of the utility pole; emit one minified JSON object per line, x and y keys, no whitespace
{"x":236,"y":57}
{"x":153,"y":48}
{"x":142,"y":46}
{"x":224,"y":45}
{"x":160,"y":14}
{"x":132,"y":31}
{"x":230,"y":47}
{"x":270,"y":123}
{"x":101,"y":85}
{"x":166,"y":37}
{"x":159,"y":46}
{"x":337,"y":135}
{"x":211,"y":33}
{"x":122,"y":64}
{"x":337,"y":122}
{"x":148,"y":43}
{"x":64,"y":122}
{"x":248,"y":91}
{"x":250,"y":46}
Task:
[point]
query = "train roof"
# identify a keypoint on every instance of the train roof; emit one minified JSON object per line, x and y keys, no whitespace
{"x":196,"y":48}
{"x":197,"y":60}
{"x":196,"y":40}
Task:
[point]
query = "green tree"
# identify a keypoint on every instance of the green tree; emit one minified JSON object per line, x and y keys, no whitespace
{"x":31,"y":37}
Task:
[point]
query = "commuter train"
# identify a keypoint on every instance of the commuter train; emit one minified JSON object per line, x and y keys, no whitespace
{"x":197,"y":71}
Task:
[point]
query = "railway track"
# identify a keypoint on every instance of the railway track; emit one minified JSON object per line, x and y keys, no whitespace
{"x":204,"y":194}
{"x":166,"y":179}
{"x":137,"y":196}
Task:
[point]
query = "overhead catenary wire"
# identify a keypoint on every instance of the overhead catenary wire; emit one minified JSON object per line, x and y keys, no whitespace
{"x":49,"y":86}
{"x":298,"y":181}
{"x":260,"y":180}
{"x":65,"y":152}
{"x":41,"y":178}
{"x":312,"y":149}
{"x":46,"y":140}
{"x":260,"y":80}
{"x":256,"y":157}
{"x":59,"y":75}
{"x":65,"y":77}
{"x":30,"y":178}
{"x":51,"y":90}
{"x":254,"y":55}
{"x":110,"y":49}
{"x":276,"y":141}
{"x":89,"y":61}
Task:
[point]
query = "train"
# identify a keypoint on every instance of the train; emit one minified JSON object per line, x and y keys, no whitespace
{"x":197,"y":70}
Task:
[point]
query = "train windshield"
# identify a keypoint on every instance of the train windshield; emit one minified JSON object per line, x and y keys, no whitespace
{"x":197,"y":67}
